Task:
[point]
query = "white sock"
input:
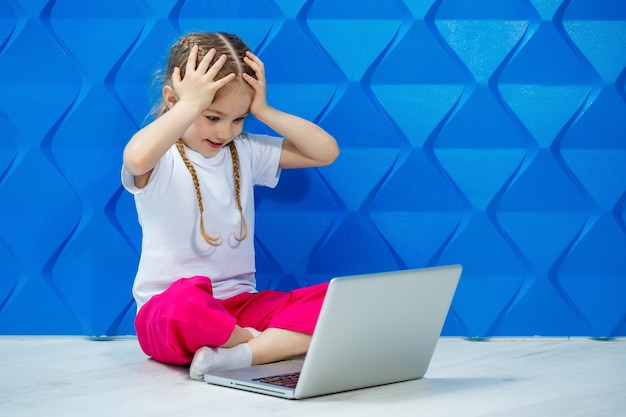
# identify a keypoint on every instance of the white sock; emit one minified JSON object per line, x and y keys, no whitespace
{"x":216,"y":359}
{"x":252,"y":330}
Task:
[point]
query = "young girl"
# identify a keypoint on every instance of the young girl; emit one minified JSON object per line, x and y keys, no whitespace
{"x":192,"y":172}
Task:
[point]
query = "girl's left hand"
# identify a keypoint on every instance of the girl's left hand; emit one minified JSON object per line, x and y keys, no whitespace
{"x":259,"y":101}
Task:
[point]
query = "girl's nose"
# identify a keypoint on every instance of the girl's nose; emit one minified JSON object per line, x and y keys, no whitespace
{"x":224,"y":132}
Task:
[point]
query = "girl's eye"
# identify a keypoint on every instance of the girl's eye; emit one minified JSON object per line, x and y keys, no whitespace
{"x":239,"y":120}
{"x":212,"y":118}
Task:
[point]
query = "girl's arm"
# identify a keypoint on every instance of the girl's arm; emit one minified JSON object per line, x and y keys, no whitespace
{"x":306,"y":144}
{"x":187,"y":98}
{"x":148,"y":145}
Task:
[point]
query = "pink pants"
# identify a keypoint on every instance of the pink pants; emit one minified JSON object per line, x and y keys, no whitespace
{"x":171,"y":326}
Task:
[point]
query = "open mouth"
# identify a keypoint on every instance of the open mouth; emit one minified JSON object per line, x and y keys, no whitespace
{"x":214,"y":145}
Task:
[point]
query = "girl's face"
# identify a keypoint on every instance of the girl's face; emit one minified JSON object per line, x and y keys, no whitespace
{"x":218,"y":125}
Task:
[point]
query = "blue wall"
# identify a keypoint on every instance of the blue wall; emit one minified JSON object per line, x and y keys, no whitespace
{"x":490,"y":133}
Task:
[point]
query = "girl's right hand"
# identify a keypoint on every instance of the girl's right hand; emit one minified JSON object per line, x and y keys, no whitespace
{"x":198,"y":87}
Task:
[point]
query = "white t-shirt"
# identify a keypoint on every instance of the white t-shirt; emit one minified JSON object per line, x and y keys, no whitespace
{"x":167,"y":209}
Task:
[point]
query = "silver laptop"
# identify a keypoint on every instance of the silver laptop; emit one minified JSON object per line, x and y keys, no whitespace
{"x":372,"y":330}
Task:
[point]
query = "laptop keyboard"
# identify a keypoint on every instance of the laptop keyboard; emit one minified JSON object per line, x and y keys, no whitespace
{"x":284,"y":380}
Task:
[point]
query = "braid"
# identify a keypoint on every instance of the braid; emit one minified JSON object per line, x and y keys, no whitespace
{"x":235,"y":157}
{"x":194,"y":176}
{"x":235,"y":49}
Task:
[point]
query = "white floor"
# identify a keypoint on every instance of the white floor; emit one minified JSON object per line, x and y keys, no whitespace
{"x":73,"y":376}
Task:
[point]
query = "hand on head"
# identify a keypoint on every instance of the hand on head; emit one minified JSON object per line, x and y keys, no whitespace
{"x":199,"y":86}
{"x":259,"y":101}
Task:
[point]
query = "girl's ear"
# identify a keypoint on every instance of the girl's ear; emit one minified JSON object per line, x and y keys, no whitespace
{"x":169,"y":96}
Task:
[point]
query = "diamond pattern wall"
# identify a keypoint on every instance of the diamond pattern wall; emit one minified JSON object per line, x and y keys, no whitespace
{"x":489,"y":133}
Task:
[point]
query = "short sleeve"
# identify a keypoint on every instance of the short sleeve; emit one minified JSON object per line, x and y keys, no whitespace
{"x":264,"y":153}
{"x":128,"y":179}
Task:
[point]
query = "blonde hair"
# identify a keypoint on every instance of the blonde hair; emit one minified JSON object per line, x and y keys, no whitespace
{"x":234,"y":48}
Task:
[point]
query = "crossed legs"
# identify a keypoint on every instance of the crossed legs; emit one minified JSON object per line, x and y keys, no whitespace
{"x":243,"y":349}
{"x":186,"y":323}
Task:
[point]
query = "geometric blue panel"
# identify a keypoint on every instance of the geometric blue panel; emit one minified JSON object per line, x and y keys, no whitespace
{"x":34,"y":225}
{"x":480,"y":147}
{"x":303,"y":91}
{"x":558,"y":85}
{"x":80,"y":27}
{"x":366,"y":29}
{"x":430,"y":91}
{"x":8,"y":146}
{"x":593,"y":150}
{"x":597,"y":29}
{"x":366,"y":251}
{"x":593,"y":276}
{"x":253,"y":21}
{"x":484,"y":34}
{"x":9,"y":270}
{"x":543,"y":299}
{"x":306,"y":209}
{"x":416,"y":200}
{"x":8,"y":22}
{"x":489,"y":133}
{"x":355,"y":188}
{"x":542,"y":211}
{"x":492,"y":277}
{"x":378,"y":133}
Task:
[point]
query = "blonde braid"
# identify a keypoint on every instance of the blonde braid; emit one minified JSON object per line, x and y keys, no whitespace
{"x":194,"y":176}
{"x":235,"y":49}
{"x":235,"y":157}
